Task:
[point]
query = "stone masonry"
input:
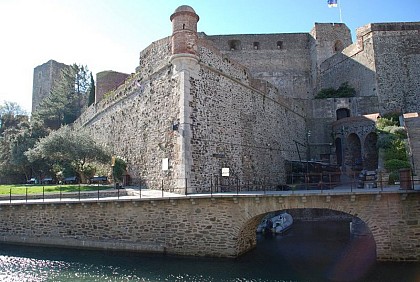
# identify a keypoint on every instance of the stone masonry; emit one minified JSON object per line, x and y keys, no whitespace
{"x":202,"y":103}
{"x":219,"y":226}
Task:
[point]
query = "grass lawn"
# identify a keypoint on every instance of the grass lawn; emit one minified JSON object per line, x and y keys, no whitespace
{"x":38,"y":189}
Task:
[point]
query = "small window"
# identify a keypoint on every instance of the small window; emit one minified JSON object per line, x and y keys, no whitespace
{"x":256,"y":45}
{"x":342,"y":113}
{"x":234,"y":45}
{"x":40,"y":74}
{"x":338,"y":46}
{"x":183,"y":26}
{"x":279,"y":45}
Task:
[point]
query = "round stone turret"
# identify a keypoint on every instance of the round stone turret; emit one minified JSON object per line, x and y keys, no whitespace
{"x":184,"y":31}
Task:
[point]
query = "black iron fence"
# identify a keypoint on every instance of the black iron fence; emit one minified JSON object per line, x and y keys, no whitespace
{"x":316,"y":182}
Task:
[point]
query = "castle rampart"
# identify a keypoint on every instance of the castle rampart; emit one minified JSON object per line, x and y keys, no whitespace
{"x":241,"y":101}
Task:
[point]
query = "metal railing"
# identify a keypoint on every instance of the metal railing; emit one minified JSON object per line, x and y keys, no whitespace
{"x":159,"y":188}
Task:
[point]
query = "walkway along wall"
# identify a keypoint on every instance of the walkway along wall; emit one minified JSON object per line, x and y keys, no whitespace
{"x":220,"y":226}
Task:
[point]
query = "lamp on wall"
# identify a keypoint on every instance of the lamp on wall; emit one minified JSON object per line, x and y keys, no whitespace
{"x":175,"y":125}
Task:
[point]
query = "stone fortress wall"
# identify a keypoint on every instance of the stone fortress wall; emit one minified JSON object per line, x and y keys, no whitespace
{"x":230,"y":115}
{"x":241,"y":101}
{"x":136,"y":121}
{"x":382,"y":66}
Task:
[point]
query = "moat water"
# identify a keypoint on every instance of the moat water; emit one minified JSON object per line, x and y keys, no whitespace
{"x":308,"y":252}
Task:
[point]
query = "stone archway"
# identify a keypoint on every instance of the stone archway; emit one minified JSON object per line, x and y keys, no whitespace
{"x":370,"y":152}
{"x":353,"y":153}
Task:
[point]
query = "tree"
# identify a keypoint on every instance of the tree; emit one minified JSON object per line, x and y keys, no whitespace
{"x":91,"y":98}
{"x":67,"y":98}
{"x":11,"y":114}
{"x":69,"y":148}
{"x":15,"y":141}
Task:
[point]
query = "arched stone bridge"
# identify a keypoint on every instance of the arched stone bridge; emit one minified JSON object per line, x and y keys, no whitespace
{"x":218,"y":225}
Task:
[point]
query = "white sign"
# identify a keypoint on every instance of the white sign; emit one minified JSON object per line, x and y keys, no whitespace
{"x":165,"y":164}
{"x":225,"y":171}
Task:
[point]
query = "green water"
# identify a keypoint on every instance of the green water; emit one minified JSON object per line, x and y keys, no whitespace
{"x":308,"y":252}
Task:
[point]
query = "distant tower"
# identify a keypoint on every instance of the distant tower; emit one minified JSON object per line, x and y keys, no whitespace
{"x":45,"y":77}
{"x":184,"y":31}
{"x":107,"y":81}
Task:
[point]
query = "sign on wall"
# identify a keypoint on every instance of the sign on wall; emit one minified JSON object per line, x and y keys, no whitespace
{"x":225,"y":171}
{"x":165,"y":164}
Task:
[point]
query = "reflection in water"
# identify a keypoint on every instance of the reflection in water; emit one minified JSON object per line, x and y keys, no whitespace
{"x":308,"y":252}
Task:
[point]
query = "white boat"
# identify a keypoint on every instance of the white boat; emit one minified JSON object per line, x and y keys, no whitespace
{"x":276,"y":224}
{"x":282,"y":223}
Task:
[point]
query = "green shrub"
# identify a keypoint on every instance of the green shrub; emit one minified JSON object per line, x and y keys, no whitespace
{"x":393,"y":176}
{"x":344,"y":91}
{"x":394,"y":165}
{"x":382,"y":123}
{"x":119,"y":169}
{"x":326,"y":93}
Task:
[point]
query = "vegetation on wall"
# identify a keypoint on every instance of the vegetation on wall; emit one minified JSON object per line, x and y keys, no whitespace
{"x":392,"y":141}
{"x":344,"y":91}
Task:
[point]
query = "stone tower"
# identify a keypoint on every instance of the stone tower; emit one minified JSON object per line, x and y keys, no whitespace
{"x":45,"y":77}
{"x":184,"y":30}
{"x":327,"y":39}
{"x":184,"y":59}
{"x":107,"y":81}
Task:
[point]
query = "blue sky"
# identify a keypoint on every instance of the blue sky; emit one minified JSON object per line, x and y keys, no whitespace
{"x":109,"y":34}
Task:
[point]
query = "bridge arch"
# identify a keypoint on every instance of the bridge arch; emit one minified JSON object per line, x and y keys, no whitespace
{"x":247,"y":238}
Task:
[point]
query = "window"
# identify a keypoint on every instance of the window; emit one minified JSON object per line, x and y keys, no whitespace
{"x":256,"y":45}
{"x":234,"y":45}
{"x":338,"y":46}
{"x":279,"y":45}
{"x":342,"y":113}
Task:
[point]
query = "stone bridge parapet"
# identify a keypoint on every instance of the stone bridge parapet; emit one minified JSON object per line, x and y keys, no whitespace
{"x":217,"y":225}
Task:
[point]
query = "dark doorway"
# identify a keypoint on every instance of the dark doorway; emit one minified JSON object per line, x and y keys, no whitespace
{"x":342,"y":113}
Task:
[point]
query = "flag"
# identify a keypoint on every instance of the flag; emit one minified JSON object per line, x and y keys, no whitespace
{"x":332,"y":3}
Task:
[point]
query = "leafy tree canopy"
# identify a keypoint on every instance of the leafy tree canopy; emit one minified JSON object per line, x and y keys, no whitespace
{"x":15,"y":141}
{"x":11,"y":114}
{"x":66,"y":147}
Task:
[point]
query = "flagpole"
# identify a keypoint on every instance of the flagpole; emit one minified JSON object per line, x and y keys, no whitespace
{"x":339,"y":9}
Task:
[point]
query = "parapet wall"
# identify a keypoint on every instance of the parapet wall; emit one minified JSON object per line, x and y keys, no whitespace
{"x":281,"y":59}
{"x":203,"y":226}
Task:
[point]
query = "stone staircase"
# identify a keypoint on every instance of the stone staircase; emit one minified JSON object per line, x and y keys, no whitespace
{"x":412,"y":123}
